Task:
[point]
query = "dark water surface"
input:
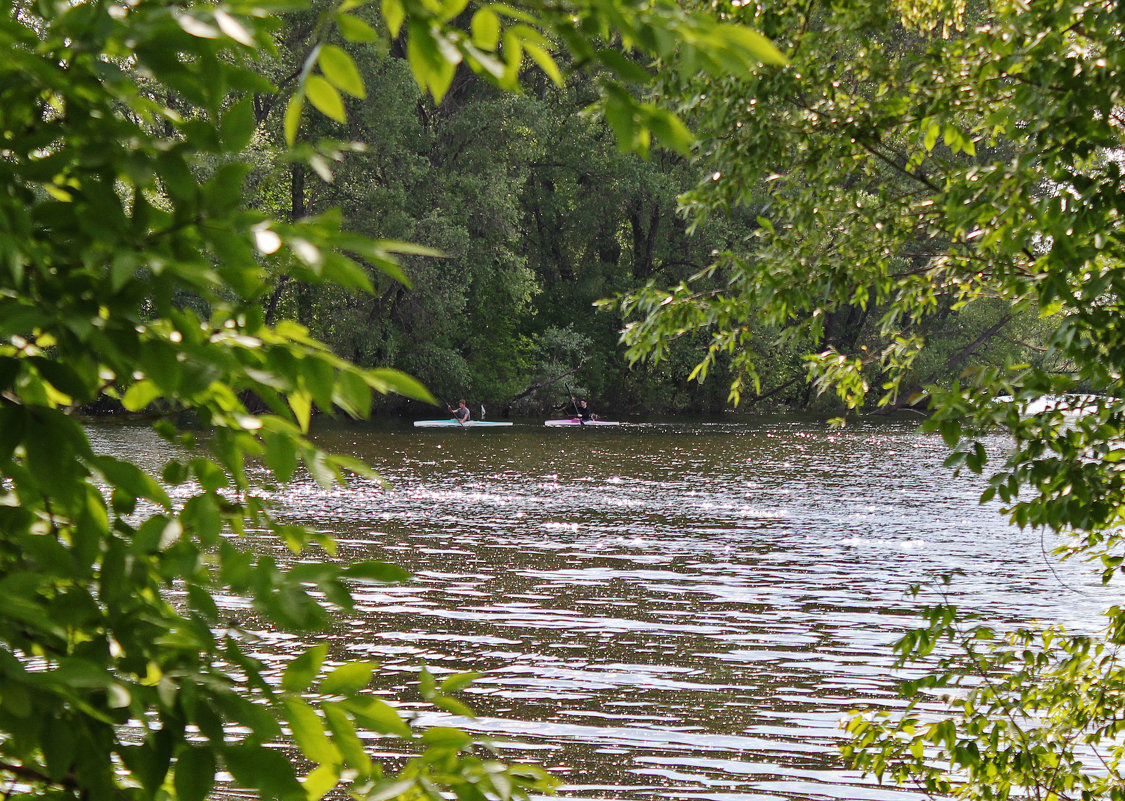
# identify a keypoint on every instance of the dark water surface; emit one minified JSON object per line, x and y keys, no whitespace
{"x":666,"y":611}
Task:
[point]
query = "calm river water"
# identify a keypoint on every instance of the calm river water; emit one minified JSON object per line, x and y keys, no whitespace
{"x":681,"y":611}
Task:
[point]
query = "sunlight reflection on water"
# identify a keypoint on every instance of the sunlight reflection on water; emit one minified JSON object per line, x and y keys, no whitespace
{"x":665,"y":611}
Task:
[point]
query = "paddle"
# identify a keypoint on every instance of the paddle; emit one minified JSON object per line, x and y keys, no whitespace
{"x":574,"y":403}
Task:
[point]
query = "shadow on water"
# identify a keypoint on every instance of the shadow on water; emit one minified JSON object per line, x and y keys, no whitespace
{"x":670,"y":610}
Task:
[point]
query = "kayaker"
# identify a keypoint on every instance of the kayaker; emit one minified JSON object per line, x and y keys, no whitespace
{"x":585,"y":413}
{"x":461,"y":413}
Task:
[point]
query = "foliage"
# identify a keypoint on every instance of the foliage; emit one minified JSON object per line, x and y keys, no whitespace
{"x":536,"y":212}
{"x":449,"y":177}
{"x":500,"y":35}
{"x":131,"y":269}
{"x":918,"y":176}
{"x":848,"y":248}
{"x":1030,"y":712}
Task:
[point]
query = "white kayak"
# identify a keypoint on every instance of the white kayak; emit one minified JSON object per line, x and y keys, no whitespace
{"x":455,"y":424}
{"x":574,"y":421}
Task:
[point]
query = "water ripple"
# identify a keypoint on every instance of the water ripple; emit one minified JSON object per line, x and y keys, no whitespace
{"x":666,"y":611}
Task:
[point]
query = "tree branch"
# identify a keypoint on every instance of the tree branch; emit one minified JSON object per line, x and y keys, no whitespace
{"x":31,"y":774}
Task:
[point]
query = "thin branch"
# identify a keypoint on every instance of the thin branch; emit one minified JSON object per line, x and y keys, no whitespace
{"x":24,"y":772}
{"x":541,"y":385}
{"x":775,"y":390}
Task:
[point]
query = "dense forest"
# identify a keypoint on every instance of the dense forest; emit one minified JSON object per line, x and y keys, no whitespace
{"x":539,"y":215}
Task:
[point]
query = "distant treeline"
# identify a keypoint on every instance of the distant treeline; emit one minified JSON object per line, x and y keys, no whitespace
{"x":538,"y":216}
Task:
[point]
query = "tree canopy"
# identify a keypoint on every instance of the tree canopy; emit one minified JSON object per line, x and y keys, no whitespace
{"x":916,"y":159}
{"x":535,"y":207}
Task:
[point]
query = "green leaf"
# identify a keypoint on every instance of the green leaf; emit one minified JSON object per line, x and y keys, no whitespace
{"x":9,"y":370}
{"x":344,"y":272}
{"x":19,"y":319}
{"x":71,"y":672}
{"x":339,"y":68}
{"x":426,"y":684}
{"x":280,"y":455}
{"x":393,"y":15}
{"x":58,"y":740}
{"x":950,"y":432}
{"x":348,"y":679}
{"x":622,"y":66}
{"x":931,"y":137}
{"x":301,"y":671}
{"x":480,"y":60}
{"x":670,"y":130}
{"x":64,"y":378}
{"x":375,"y":571}
{"x":148,"y":762}
{"x":458,"y":682}
{"x":238,"y":125}
{"x":194,"y":773}
{"x":485,"y":28}
{"x":352,"y":394}
{"x":355,"y":30}
{"x":211,"y":476}
{"x":752,"y":43}
{"x":321,"y":781}
{"x":346,"y":739}
{"x":174,"y":472}
{"x":446,"y":737}
{"x":319,"y":465}
{"x":202,"y":516}
{"x":234,"y":28}
{"x":308,"y":731}
{"x":13,"y":420}
{"x":619,"y":113}
{"x":292,"y":122}
{"x":17,"y":703}
{"x":266,"y":769}
{"x":432,"y":58}
{"x":324,"y":96}
{"x":140,"y":395}
{"x":160,"y":365}
{"x":301,"y":404}
{"x":23,"y":605}
{"x":377,"y":716}
{"x":118,"y":696}
{"x":453,"y":706}
{"x":360,"y":468}
{"x":132,"y":479}
{"x":386,"y":380}
{"x":409,"y":248}
{"x":222,"y":194}
{"x":194,"y":26}
{"x":546,"y":62}
{"x":394,"y":789}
